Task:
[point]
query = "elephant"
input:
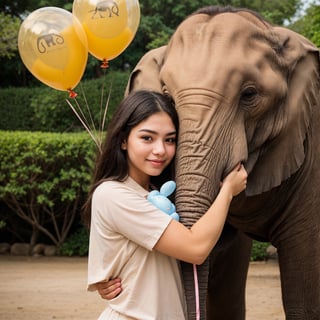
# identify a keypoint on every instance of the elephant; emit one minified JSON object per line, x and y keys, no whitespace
{"x":245,"y":91}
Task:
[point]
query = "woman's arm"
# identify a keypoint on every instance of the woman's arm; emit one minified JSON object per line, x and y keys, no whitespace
{"x":194,"y":245}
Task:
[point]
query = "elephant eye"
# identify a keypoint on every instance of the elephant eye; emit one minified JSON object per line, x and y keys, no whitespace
{"x":167,"y":93}
{"x":248,"y":96}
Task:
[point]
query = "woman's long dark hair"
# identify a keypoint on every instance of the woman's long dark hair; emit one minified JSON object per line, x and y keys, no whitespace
{"x":112,"y":162}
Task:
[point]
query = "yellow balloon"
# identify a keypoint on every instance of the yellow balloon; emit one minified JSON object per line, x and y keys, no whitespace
{"x":110,"y":25}
{"x":53,"y":46}
{"x":108,"y":49}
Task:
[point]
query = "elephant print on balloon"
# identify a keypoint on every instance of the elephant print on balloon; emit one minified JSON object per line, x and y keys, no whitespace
{"x":47,"y":41}
{"x":109,"y":6}
{"x":245,"y":91}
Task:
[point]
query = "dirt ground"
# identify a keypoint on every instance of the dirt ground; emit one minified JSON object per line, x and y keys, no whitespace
{"x":41,"y":288}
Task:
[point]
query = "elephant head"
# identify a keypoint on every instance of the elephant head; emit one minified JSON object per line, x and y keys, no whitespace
{"x":244,"y":91}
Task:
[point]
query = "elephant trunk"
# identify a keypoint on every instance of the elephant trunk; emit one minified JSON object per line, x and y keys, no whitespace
{"x":212,"y":141}
{"x":208,"y":148}
{"x":196,"y":189}
{"x":198,"y":180}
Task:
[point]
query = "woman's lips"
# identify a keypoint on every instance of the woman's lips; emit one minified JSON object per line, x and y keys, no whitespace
{"x":157,"y":163}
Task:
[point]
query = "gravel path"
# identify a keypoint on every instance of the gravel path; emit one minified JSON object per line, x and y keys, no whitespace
{"x":41,"y":288}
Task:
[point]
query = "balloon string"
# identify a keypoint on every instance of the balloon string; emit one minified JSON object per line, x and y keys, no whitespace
{"x":106,"y":109}
{"x":92,"y":128}
{"x":103,"y":115}
{"x":196,"y":289}
{"x":88,"y":110}
{"x":85,"y":126}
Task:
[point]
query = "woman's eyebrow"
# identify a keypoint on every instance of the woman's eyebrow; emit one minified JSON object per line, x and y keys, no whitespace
{"x":147,"y":130}
{"x":155,"y":132}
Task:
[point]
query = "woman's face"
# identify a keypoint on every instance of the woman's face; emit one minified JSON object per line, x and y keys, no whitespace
{"x":151,"y":146}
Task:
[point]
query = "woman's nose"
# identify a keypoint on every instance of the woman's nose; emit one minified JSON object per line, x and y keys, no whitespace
{"x":159,"y":148}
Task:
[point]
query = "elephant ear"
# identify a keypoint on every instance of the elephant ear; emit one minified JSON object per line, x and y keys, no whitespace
{"x":287,"y":152}
{"x":146,"y":73}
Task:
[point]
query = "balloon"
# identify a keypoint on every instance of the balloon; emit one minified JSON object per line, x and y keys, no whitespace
{"x":53,"y":46}
{"x":110,"y":25}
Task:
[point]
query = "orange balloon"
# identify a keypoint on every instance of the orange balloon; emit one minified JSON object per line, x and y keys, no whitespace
{"x":53,"y":46}
{"x":110,"y":25}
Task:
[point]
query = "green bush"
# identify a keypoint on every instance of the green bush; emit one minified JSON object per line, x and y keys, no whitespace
{"x":44,"y":178}
{"x":2,"y":224}
{"x":15,"y":110}
{"x":259,"y":250}
{"x":77,"y":244}
{"x":45,"y":109}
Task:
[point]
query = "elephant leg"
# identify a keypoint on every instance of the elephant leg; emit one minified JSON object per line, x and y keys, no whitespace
{"x":299,"y":261}
{"x":227,"y":279}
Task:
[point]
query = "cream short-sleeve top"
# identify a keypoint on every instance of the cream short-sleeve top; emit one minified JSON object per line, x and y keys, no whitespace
{"x":125,"y":227}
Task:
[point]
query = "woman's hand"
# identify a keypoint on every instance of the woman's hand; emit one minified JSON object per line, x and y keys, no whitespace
{"x":109,"y":289}
{"x":236,"y":180}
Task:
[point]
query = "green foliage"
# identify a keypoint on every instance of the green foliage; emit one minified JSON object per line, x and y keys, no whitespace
{"x":275,"y":11}
{"x":44,"y":178}
{"x":76,"y":245}
{"x":158,"y":34}
{"x":15,"y":110}
{"x":2,"y":224}
{"x":159,"y":19}
{"x":46,"y":109}
{"x":259,"y":252}
{"x":8,"y":35}
{"x":20,"y":7}
{"x":309,"y":25}
{"x":17,"y":7}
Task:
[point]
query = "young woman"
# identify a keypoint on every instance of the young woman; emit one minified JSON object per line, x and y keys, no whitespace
{"x":129,"y":237}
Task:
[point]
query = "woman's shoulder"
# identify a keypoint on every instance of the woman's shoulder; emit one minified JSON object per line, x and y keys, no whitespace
{"x":115,"y":188}
{"x":108,"y":193}
{"x":120,"y":193}
{"x":110,"y":186}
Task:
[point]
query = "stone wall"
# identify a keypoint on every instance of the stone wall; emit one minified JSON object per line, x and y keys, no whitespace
{"x":25,"y":249}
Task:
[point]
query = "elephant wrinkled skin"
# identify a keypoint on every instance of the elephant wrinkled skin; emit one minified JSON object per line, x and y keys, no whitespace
{"x":245,"y":91}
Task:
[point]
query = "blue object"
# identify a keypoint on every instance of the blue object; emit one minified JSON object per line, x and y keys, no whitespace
{"x":161,"y":201}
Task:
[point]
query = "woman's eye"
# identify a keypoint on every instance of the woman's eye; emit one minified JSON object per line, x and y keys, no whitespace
{"x":146,"y":138}
{"x":171,"y":140}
